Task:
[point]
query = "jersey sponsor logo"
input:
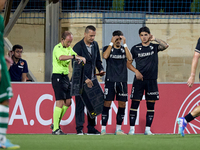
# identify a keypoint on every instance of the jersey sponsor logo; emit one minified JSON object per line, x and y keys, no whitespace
{"x":123,"y":94}
{"x":145,"y":54}
{"x":191,"y":101}
{"x":152,"y":93}
{"x":117,"y":56}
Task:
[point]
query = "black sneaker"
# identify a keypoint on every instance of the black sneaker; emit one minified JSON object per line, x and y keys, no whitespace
{"x":58,"y":132}
{"x":80,"y":132}
{"x":93,"y":131}
{"x":51,"y":127}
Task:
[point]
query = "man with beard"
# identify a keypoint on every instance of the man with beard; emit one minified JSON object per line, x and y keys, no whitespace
{"x":116,"y":56}
{"x":19,"y":69}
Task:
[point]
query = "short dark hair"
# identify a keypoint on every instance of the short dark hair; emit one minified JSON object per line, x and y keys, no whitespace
{"x":144,"y":29}
{"x":65,"y":34}
{"x":17,"y":47}
{"x":117,"y":33}
{"x":90,"y":27}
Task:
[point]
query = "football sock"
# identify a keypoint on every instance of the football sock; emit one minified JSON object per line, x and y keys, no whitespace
{"x":104,"y":117}
{"x":132,"y":128}
{"x":103,"y":128}
{"x":64,"y":109}
{"x":4,"y":115}
{"x":120,"y":115}
{"x":133,"y":112}
{"x":118,"y":127}
{"x":56,"y":117}
{"x":189,"y":117}
{"x":150,"y":113}
{"x":147,"y":128}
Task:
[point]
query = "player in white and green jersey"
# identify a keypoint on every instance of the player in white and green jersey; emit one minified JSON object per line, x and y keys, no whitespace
{"x":5,"y":88}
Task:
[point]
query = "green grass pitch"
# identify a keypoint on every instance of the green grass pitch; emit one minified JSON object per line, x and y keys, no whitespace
{"x":105,"y":142}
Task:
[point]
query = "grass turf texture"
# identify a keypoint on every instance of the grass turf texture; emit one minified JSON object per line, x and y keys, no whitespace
{"x":105,"y":142}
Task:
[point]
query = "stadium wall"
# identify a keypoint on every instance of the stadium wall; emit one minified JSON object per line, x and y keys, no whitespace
{"x":174,"y":63}
{"x":31,"y":110}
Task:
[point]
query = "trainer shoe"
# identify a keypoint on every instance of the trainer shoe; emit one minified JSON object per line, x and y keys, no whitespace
{"x":58,"y":132}
{"x":9,"y":145}
{"x":80,"y":132}
{"x":93,"y":131}
{"x":51,"y":127}
{"x":2,"y":146}
{"x":119,"y":132}
{"x":103,"y":132}
{"x":131,"y":132}
{"x":148,"y":132}
{"x":181,"y":125}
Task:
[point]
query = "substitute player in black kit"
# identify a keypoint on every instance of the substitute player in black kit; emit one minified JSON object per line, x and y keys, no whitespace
{"x":183,"y":121}
{"x":146,"y":71}
{"x":116,"y":57}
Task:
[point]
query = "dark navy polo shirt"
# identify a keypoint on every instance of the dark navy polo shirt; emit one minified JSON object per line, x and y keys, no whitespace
{"x":16,"y":70}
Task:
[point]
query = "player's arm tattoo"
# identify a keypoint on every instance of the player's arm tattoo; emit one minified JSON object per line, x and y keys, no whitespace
{"x":162,"y":44}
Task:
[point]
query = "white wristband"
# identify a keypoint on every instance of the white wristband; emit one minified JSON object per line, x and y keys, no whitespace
{"x":111,"y":44}
{"x":125,"y":45}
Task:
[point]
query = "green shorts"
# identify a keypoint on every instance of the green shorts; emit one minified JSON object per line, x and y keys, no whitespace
{"x":5,"y":86}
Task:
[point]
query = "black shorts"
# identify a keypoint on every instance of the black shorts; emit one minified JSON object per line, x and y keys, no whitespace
{"x":149,"y":86}
{"x":61,"y":86}
{"x":115,"y":88}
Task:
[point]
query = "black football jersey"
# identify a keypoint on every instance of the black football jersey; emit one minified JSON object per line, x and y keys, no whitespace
{"x":146,"y":58}
{"x":116,"y":69}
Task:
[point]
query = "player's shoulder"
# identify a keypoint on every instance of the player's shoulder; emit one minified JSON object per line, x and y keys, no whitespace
{"x":197,"y":49}
{"x":198,"y":41}
{"x":154,"y":44}
{"x":104,"y":48}
{"x":137,"y":46}
{"x":23,"y":60}
{"x":58,"y":46}
{"x":95,"y":42}
{"x":79,"y":45}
